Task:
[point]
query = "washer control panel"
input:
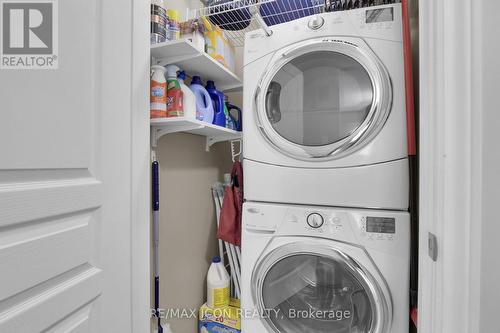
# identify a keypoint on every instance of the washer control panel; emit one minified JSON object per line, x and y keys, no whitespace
{"x":315,"y":220}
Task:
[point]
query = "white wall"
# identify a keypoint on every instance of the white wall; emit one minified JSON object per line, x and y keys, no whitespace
{"x":460,"y":160}
{"x":490,"y":165}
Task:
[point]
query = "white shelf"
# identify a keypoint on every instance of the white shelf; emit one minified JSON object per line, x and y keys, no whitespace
{"x":195,"y":62}
{"x":213,"y":133}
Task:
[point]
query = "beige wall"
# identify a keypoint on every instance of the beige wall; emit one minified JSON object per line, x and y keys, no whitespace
{"x":187,"y":220}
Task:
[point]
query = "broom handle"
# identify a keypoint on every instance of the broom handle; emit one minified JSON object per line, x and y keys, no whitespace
{"x":156,"y":237}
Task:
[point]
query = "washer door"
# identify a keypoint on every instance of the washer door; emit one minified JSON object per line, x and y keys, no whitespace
{"x":303,"y":287}
{"x":323,"y":99}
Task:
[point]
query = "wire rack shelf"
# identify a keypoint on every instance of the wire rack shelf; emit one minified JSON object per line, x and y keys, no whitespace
{"x":237,"y":17}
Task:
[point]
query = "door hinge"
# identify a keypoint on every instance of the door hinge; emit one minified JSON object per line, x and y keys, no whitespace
{"x":433,"y":246}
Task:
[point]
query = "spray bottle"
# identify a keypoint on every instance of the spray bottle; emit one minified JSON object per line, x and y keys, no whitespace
{"x":174,"y":93}
{"x":158,"y":93}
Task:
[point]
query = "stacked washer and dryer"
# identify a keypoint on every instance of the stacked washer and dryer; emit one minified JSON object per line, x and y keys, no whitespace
{"x":326,"y":228}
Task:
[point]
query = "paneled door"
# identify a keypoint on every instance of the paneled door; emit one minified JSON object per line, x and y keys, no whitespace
{"x":70,"y":227}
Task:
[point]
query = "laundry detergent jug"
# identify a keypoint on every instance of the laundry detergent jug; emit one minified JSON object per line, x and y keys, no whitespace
{"x":234,"y":113}
{"x":218,"y":285}
{"x":189,"y":99}
{"x":218,"y":103}
{"x":229,"y":121}
{"x":204,"y":106}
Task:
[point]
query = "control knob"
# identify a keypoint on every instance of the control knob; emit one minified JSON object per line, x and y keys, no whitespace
{"x":315,"y":220}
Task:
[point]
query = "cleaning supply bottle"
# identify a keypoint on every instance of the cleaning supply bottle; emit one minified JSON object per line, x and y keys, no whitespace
{"x":174,"y":93}
{"x":204,"y":107}
{"x":217,"y":285}
{"x":174,"y":29}
{"x":229,"y":121}
{"x":158,"y":93}
{"x":237,"y":120}
{"x":218,"y":103}
{"x":189,"y":99}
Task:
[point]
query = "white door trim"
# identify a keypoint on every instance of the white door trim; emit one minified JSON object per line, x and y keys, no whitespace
{"x":450,"y":165}
{"x":140,"y":200}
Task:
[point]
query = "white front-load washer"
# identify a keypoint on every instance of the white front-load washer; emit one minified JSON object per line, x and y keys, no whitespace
{"x":324,"y":270}
{"x":324,"y":111}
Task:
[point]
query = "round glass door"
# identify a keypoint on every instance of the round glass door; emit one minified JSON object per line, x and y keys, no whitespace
{"x":316,"y":293}
{"x":319,"y":98}
{"x":325,"y":100}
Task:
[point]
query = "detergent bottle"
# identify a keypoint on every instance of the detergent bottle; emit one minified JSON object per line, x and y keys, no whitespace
{"x":218,"y":103}
{"x":189,"y":99}
{"x":174,"y":93}
{"x":218,"y":285}
{"x":229,"y":121}
{"x":237,"y":120}
{"x":158,"y":93}
{"x":204,"y":107}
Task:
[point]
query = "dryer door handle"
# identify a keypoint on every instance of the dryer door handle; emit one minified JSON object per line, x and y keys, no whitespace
{"x":273,"y":110}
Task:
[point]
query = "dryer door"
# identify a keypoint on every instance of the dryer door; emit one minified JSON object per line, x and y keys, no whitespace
{"x":323,"y":98}
{"x":304,"y":287}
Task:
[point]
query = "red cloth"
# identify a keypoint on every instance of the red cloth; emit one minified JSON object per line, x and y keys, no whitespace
{"x":414,"y":316}
{"x":230,"y":215}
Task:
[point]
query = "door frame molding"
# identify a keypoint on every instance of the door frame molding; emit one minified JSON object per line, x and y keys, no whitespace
{"x":140,"y":166}
{"x":451,"y":116}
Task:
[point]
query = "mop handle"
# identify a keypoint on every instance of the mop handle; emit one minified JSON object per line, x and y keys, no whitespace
{"x":156,"y":231}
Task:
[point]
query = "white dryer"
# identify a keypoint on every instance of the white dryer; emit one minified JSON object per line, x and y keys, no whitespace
{"x":324,"y":270}
{"x":325,"y":119}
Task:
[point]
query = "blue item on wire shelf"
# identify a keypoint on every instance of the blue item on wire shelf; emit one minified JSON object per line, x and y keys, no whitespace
{"x":281,"y":11}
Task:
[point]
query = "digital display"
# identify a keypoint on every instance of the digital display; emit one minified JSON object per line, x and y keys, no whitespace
{"x":381,"y":225}
{"x":380,"y":15}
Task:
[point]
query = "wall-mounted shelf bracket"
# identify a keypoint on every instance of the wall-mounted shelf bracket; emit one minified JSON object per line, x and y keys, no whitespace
{"x":211,"y":140}
{"x":213,"y":133}
{"x":158,"y":132}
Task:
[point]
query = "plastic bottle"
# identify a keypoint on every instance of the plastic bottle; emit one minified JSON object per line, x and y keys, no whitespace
{"x":189,"y":99}
{"x":174,"y":28}
{"x":237,"y":121}
{"x":217,"y":285}
{"x":204,"y":107}
{"x":158,"y":93}
{"x":229,"y":121}
{"x":218,"y":103}
{"x":174,"y":93}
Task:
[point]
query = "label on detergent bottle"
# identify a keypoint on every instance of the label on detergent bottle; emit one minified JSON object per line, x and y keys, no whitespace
{"x":158,"y":99}
{"x":174,"y":99}
{"x":221,"y":297}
